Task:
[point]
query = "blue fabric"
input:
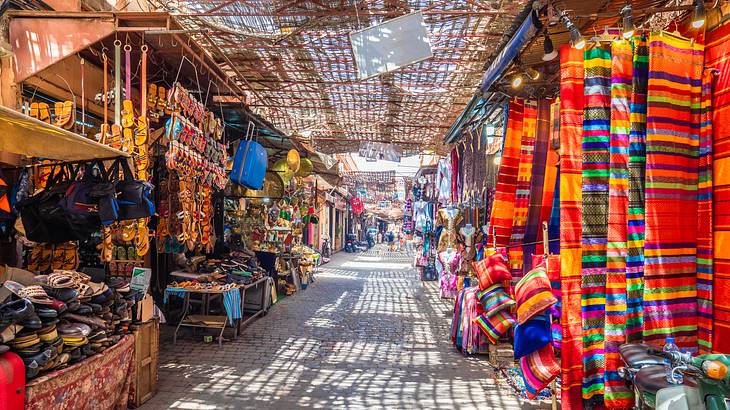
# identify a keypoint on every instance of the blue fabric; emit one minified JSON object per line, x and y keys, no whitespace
{"x":532,"y":335}
{"x":179,"y":292}
{"x":232,"y":303}
{"x":554,"y":225}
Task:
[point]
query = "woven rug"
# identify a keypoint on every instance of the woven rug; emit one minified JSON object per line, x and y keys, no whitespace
{"x":596,"y":135}
{"x":522,"y":193}
{"x":672,"y":150}
{"x":504,"y":196}
{"x":571,"y":165}
{"x":616,"y":393}
{"x":637,"y":169}
{"x":533,"y":228}
{"x":717,"y":56}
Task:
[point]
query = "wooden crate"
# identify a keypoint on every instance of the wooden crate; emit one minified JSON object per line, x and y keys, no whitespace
{"x":501,"y":354}
{"x":147,"y":338}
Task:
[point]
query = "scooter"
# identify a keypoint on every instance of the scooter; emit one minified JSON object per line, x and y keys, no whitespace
{"x":705,"y":386}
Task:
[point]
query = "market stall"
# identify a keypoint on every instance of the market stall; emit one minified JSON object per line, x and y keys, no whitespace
{"x":592,"y":201}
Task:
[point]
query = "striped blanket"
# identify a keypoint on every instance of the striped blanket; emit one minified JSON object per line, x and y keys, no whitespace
{"x":616,"y":394}
{"x":571,"y":165}
{"x":596,"y":136}
{"x":504,"y":196}
{"x":672,"y":150}
{"x":522,"y":193}
{"x":637,"y":168}
{"x":718,"y":56}
{"x":533,"y":229}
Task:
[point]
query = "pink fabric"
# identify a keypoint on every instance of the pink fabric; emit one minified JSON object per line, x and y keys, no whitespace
{"x":448,"y":279}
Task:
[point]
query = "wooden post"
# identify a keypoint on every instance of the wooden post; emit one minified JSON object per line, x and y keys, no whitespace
{"x":546,"y":254}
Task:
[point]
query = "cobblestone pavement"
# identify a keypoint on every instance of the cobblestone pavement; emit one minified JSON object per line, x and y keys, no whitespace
{"x":367,"y":333}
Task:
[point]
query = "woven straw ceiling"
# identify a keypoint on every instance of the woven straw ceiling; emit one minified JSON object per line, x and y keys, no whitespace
{"x":294,"y":57}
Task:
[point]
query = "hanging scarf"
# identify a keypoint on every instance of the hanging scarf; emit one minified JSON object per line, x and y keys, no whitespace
{"x":672,"y":150}
{"x":504,"y":196}
{"x":596,"y":136}
{"x":704,"y":215}
{"x":533,"y":229}
{"x":718,"y":48}
{"x":571,"y":130}
{"x":637,"y":170}
{"x":617,"y":395}
{"x":522,"y":193}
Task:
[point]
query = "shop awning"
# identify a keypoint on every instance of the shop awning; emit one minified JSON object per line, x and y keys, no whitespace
{"x":24,"y":135}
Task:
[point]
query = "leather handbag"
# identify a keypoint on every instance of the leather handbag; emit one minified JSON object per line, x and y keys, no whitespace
{"x":249,"y":164}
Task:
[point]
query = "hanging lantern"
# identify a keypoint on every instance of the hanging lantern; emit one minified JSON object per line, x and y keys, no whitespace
{"x":305,"y":168}
{"x":281,"y":167}
{"x":293,"y":160}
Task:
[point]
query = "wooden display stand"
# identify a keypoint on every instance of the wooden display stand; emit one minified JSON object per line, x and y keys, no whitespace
{"x":146,"y":337}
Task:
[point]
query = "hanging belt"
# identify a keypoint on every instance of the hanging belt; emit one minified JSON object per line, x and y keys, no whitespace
{"x":143,"y":84}
{"x":83,"y":100}
{"x":127,"y":72}
{"x":117,"y":82}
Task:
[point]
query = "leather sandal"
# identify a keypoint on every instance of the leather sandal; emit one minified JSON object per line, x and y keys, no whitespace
{"x":33,"y":112}
{"x":65,"y":114}
{"x":140,"y":135}
{"x":127,"y":114}
{"x":127,"y":140}
{"x":161,"y":99}
{"x":44,"y":113}
{"x":152,"y":96}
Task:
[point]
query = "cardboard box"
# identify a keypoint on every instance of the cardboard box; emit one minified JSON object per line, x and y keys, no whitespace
{"x":145,"y":309}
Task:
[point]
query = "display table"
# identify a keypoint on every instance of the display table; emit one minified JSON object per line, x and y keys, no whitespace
{"x":258,"y":301}
{"x":99,"y":382}
{"x":231,"y":302}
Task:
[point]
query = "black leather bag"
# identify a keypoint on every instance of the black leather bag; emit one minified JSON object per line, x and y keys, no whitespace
{"x":134,"y":198}
{"x":80,"y":206}
{"x":43,"y":217}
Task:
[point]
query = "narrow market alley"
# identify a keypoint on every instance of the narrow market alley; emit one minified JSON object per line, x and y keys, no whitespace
{"x":367,"y":333}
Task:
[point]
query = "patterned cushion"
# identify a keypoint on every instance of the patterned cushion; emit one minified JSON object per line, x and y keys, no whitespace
{"x":494,"y":299}
{"x":539,"y":368}
{"x":532,"y":335}
{"x":533,"y":294}
{"x":495,"y":326}
{"x":491,"y":270}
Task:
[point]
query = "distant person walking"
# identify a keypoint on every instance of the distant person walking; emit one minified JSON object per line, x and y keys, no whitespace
{"x":391,"y":241}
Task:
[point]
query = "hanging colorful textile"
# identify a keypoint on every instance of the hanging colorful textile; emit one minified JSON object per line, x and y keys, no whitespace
{"x":533,"y":229}
{"x":554,"y":225}
{"x":617,"y":395}
{"x":504,"y":196}
{"x":551,"y":164}
{"x":571,"y":165}
{"x":637,"y":169}
{"x":704,"y":215}
{"x":672,"y":144}
{"x":596,"y":135}
{"x":522,"y":193}
{"x":716,"y":56}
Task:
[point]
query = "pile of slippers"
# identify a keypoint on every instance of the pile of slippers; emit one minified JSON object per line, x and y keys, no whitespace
{"x":63,"y":318}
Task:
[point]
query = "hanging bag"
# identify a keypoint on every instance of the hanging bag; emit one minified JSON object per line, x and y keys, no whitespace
{"x":134,"y":198}
{"x":249,"y":162}
{"x":81,"y":207}
{"x":44,"y":220}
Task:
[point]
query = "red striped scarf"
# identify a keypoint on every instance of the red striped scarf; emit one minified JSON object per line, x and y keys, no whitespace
{"x":717,"y":56}
{"x":504,"y":196}
{"x":522,"y":193}
{"x":616,"y":394}
{"x":637,"y":169}
{"x":571,"y":165}
{"x":672,"y":149}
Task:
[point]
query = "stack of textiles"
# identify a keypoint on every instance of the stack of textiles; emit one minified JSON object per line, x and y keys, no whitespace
{"x":465,"y":334}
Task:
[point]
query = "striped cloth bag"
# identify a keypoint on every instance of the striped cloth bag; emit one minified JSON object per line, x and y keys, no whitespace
{"x":637,"y":169}
{"x":571,"y":165}
{"x":504,"y":196}
{"x":672,"y":151}
{"x":617,"y":395}
{"x":716,"y":56}
{"x":522,"y":193}
{"x":596,"y":136}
